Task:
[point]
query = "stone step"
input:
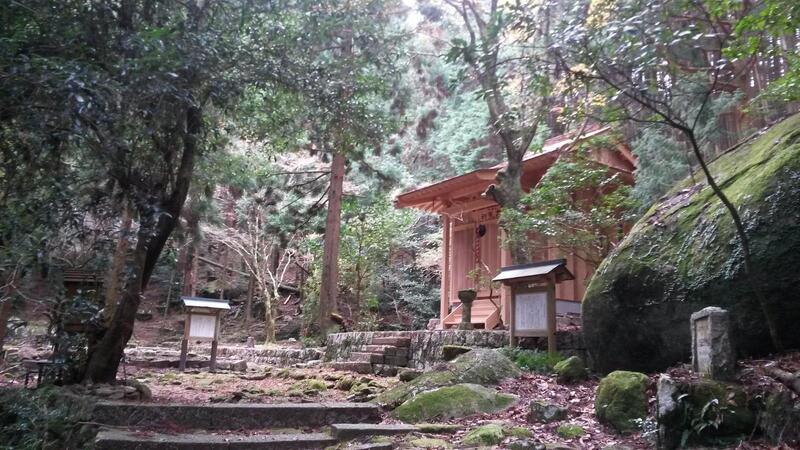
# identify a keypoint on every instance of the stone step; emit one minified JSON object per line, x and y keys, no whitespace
{"x":352,"y":366}
{"x":374,"y":358}
{"x":391,"y":340}
{"x":129,"y":440}
{"x":382,"y":349}
{"x":344,"y":431}
{"x":234,"y":416}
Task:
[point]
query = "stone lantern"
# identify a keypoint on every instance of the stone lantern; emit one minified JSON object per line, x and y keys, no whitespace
{"x":467,"y":296}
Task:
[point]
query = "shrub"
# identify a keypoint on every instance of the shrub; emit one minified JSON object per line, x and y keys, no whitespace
{"x":45,"y":418}
{"x":533,"y":360}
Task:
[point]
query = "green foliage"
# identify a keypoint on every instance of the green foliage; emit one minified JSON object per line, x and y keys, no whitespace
{"x":533,"y":360}
{"x":758,"y":30}
{"x":461,"y":133}
{"x":578,"y":204}
{"x":662,"y":162}
{"x":381,"y":266}
{"x":44,"y":418}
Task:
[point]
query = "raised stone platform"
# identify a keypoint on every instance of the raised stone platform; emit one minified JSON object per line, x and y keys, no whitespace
{"x":234,"y":415}
{"x":163,"y":357}
{"x":129,"y":440}
{"x":423,"y":349}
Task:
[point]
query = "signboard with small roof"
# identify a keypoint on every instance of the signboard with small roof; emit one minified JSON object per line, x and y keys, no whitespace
{"x":533,"y":298}
{"x":202,"y":323}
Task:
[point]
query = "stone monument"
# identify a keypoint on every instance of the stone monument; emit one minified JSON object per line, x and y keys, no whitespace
{"x":712,"y":352}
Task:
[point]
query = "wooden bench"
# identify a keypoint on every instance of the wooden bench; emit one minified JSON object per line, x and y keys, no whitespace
{"x":41,"y":367}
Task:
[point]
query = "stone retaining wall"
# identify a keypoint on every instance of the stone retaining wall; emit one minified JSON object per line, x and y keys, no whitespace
{"x":283,"y":357}
{"x":276,"y":356}
{"x":425,"y":349}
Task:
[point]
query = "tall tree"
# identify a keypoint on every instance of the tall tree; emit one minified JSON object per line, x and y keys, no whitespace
{"x":514,"y":80}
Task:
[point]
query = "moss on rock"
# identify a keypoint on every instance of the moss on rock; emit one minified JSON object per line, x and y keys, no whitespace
{"x":622,"y":398}
{"x":490,"y":434}
{"x":428,"y":443}
{"x":479,"y":366}
{"x":684,"y":255}
{"x":450,"y":402}
{"x":438,"y":428}
{"x":345,"y":383}
{"x":570,"y":431}
{"x":309,"y":386}
{"x":570,"y":370}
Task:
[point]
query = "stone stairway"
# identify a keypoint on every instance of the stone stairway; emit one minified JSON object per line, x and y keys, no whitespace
{"x":152,"y":426}
{"x":380,"y":356}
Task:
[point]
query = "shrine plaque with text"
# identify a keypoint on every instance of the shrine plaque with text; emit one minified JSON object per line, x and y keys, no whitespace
{"x":530,"y":313}
{"x":202,"y":326}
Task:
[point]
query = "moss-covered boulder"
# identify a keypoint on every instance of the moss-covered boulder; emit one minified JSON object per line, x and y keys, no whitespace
{"x":621,"y":399}
{"x":450,"y":402}
{"x":489,"y":434}
{"x":683,"y":255}
{"x":570,"y":370}
{"x":479,"y":366}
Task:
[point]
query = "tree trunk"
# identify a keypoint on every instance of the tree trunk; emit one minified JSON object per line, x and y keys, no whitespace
{"x":248,"y":305}
{"x":330,"y":258}
{"x":269,"y":314}
{"x":271,"y":299}
{"x":104,"y":357}
{"x":117,"y":265}
{"x":5,"y":315}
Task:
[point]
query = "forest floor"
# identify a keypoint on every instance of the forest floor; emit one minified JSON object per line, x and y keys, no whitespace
{"x":261,"y":383}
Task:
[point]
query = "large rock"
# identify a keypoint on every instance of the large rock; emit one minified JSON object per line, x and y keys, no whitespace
{"x":451,"y":402}
{"x":683,"y":255}
{"x":621,"y":399}
{"x":479,"y":366}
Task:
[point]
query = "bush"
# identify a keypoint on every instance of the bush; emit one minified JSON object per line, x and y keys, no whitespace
{"x":532,"y":360}
{"x":47,"y":418}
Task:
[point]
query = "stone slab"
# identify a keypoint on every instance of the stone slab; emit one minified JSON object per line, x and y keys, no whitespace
{"x":377,"y":348}
{"x":352,"y":366}
{"x":122,"y":440}
{"x":234,"y":416}
{"x":343,"y":431}
{"x":374,"y":358}
{"x":391,"y":340}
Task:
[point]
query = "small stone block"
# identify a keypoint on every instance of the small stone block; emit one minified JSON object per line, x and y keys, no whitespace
{"x":352,"y":366}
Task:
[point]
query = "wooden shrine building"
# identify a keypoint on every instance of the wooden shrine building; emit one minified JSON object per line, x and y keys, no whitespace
{"x":472,"y":238}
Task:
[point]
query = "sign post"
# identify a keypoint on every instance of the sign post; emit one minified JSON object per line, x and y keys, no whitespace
{"x":202,"y":323}
{"x":533,"y":299}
